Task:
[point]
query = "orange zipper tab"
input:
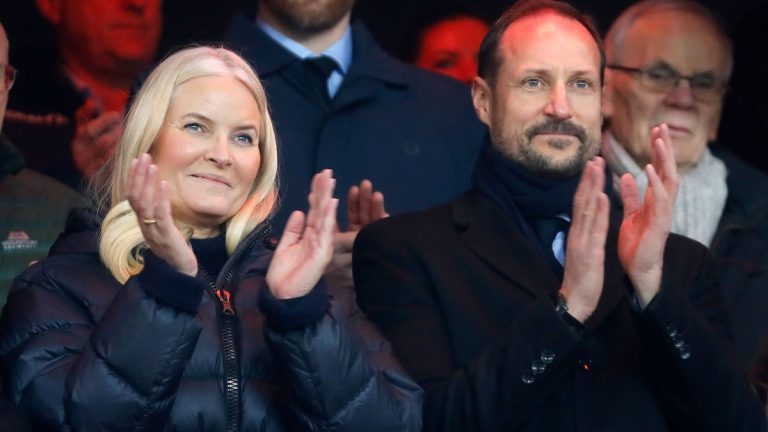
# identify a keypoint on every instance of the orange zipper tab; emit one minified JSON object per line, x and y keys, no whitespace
{"x":226,"y":301}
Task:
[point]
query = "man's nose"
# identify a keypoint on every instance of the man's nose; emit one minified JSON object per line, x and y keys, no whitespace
{"x":682,"y":95}
{"x":558,"y":105}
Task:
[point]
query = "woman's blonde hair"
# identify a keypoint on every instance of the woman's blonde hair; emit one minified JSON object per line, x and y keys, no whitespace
{"x":121,"y":240}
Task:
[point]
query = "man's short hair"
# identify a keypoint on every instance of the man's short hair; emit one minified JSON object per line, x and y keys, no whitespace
{"x":490,"y":60}
{"x":614,"y":38}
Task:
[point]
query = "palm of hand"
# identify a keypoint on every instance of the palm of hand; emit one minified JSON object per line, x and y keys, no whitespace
{"x":307,"y":256}
{"x":642,"y":239}
{"x":638,"y":246}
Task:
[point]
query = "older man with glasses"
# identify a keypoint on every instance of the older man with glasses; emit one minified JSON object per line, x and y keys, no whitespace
{"x":669,"y":61}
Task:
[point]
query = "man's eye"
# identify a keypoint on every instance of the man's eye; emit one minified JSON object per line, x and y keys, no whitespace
{"x":583,"y":84}
{"x":533,"y":83}
{"x":660,"y":74}
{"x":445,"y":63}
{"x":704,"y":82}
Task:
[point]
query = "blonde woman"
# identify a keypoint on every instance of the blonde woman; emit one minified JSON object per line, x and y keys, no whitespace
{"x":172,"y":312}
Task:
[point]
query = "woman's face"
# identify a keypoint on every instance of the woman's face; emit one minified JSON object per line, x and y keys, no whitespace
{"x":208,"y":150}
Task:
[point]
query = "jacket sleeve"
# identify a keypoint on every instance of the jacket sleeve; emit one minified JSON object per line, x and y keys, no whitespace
{"x":80,"y":352}
{"x":340,"y":372}
{"x":687,"y":337}
{"x":498,"y":389}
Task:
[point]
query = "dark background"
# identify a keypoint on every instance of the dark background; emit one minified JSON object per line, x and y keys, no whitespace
{"x":746,"y":107}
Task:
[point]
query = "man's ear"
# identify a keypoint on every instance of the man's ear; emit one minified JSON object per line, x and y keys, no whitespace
{"x":481,"y":99}
{"x":607,"y":97}
{"x":50,"y":9}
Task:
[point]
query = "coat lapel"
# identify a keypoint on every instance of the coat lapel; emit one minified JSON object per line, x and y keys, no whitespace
{"x":496,"y":239}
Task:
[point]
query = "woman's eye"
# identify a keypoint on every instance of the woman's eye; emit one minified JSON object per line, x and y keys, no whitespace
{"x":194,"y":127}
{"x":244,"y":139}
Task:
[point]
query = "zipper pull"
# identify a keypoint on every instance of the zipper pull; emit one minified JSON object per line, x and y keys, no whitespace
{"x":226,"y":301}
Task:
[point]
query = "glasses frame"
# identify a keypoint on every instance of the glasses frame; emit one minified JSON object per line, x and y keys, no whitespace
{"x":642,"y":75}
{"x":9,"y":76}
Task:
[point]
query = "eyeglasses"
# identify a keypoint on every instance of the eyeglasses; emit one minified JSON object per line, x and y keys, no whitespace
{"x":9,"y":76}
{"x":704,"y":86}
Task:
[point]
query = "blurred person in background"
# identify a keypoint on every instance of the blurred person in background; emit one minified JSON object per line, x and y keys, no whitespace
{"x":448,"y":42}
{"x":33,"y":207}
{"x":66,"y":120}
{"x":670,"y":61}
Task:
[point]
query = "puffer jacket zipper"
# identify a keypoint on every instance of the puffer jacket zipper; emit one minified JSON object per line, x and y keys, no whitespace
{"x":227,"y":319}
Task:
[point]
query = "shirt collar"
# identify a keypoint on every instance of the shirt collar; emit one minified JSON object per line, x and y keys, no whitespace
{"x":340,"y":51}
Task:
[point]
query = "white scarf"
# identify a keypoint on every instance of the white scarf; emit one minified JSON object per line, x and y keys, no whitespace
{"x":700,"y":198}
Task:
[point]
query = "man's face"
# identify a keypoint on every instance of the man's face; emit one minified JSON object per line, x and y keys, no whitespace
{"x":666,"y":40}
{"x":308,"y":16}
{"x":543,"y":110}
{"x":109,"y":35}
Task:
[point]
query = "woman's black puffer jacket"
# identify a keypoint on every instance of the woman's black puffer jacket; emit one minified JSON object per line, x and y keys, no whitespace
{"x":81,"y":352}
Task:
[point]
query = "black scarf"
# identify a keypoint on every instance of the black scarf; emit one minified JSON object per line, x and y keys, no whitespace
{"x":534,"y":202}
{"x":523,"y":195}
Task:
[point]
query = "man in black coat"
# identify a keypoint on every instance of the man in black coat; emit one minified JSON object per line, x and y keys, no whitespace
{"x":622,"y":330}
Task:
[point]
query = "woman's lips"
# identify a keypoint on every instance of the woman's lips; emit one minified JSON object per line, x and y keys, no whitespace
{"x":213,"y":178}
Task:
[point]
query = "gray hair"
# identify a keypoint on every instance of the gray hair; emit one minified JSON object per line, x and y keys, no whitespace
{"x":614,"y":38}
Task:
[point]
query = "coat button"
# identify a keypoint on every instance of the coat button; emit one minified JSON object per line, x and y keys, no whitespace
{"x":538,"y":367}
{"x":547,"y":356}
{"x":528,"y":377}
{"x":672,"y":330}
{"x":585,"y":365}
{"x":685,"y":352}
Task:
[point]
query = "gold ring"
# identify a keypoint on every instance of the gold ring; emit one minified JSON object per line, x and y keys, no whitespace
{"x":149,"y":221}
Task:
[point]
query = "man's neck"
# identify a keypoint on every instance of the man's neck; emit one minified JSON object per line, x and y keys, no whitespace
{"x":316,"y":42}
{"x":111,"y":91}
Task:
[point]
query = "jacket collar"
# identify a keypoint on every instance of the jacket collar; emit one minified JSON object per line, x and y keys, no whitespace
{"x":11,"y":159}
{"x":368,"y":59}
{"x":496,"y":238}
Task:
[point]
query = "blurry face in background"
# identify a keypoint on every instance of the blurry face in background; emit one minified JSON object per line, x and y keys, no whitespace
{"x":669,"y":39}
{"x":115,"y":36}
{"x":451,"y":46}
{"x":308,"y":16}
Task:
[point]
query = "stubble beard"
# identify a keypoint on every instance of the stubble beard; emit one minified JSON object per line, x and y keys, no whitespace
{"x":308,"y":17}
{"x":524,"y":153}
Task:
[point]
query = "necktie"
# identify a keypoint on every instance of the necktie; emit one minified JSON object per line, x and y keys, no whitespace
{"x":551,"y":233}
{"x":316,"y":71}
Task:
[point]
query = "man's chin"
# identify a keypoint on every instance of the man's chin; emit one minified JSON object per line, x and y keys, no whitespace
{"x":556,"y":164}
